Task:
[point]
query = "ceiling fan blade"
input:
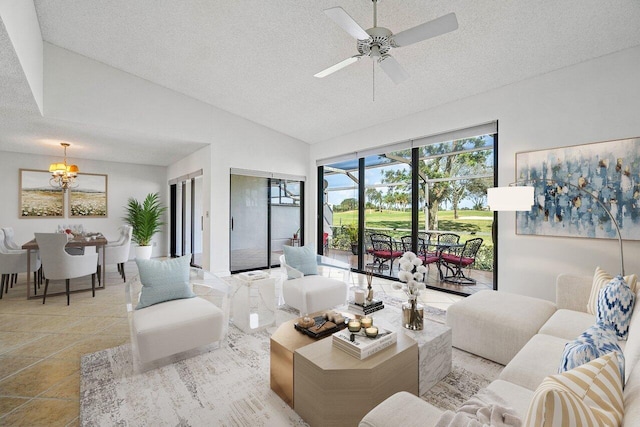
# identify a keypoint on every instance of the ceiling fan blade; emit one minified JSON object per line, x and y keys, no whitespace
{"x":346,"y":22}
{"x":393,"y":69}
{"x":340,"y":65}
{"x":425,"y":31}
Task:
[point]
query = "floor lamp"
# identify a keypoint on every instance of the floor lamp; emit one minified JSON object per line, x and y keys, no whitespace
{"x":516,"y":197}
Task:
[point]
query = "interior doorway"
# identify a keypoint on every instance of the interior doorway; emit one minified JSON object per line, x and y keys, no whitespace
{"x":187,"y":217}
{"x":266,"y":213}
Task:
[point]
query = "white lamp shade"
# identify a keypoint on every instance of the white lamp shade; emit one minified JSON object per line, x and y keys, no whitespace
{"x":510,"y":198}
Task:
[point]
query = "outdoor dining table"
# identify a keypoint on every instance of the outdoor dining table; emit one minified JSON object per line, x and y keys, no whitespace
{"x":77,"y":242}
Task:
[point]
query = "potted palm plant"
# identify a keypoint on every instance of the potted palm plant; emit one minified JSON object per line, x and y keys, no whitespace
{"x":145,"y":218}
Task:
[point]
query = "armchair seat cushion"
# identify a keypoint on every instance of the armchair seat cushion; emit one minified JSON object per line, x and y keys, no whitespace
{"x":175,"y":326}
{"x":314,"y":293}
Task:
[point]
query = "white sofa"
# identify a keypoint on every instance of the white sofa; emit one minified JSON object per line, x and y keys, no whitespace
{"x":538,"y":358}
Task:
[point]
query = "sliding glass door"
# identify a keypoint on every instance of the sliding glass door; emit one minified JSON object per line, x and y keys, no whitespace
{"x":266,"y":215}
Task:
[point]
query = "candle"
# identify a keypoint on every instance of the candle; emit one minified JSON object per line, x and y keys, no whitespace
{"x":358,"y":296}
{"x":366,"y":322}
{"x":354,"y":326}
{"x":371,"y":332}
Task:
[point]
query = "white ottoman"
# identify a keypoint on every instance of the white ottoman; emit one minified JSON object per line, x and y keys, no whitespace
{"x":310,"y":294}
{"x":496,"y":325}
{"x":176,"y":326}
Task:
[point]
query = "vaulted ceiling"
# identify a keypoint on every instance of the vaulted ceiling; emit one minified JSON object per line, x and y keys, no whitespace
{"x":257,"y":58}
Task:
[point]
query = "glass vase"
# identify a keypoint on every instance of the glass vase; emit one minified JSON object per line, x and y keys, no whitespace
{"x":412,"y":315}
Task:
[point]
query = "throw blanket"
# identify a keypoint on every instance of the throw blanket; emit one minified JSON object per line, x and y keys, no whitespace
{"x":485,"y":408}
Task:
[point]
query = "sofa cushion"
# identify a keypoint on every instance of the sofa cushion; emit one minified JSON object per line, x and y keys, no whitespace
{"x":164,"y":280}
{"x":303,"y":259}
{"x":538,"y":359}
{"x":632,"y":396}
{"x":402,"y":409}
{"x":518,"y":398}
{"x":567,"y":324}
{"x":631,"y":347}
{"x":590,"y":394}
{"x":595,"y":342}
{"x":615,"y":306}
{"x":601,"y":279}
{"x":496,"y":325}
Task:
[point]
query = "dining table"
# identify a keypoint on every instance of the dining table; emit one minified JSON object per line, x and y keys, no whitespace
{"x":97,"y":240}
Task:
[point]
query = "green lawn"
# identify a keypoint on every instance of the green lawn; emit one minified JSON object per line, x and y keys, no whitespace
{"x":468,"y":221}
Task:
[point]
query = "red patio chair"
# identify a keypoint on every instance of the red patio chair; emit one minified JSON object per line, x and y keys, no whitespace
{"x":458,"y":259}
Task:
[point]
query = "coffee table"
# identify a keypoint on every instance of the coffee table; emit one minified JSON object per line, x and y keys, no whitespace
{"x":434,"y":352}
{"x":434,"y":346}
{"x":333,"y":388}
{"x":283,"y":342}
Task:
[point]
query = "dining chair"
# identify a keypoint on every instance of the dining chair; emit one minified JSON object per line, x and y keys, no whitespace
{"x":117,"y":252}
{"x":13,"y":262}
{"x":58,"y":264}
{"x":460,"y":258}
{"x":383,"y":250}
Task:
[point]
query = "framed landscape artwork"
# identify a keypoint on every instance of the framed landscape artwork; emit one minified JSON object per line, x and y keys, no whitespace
{"x":89,"y":198}
{"x":38,"y":199}
{"x":607,"y":170}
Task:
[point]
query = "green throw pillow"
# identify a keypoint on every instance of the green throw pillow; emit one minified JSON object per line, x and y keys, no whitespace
{"x":303,"y":259}
{"x":164,"y":280}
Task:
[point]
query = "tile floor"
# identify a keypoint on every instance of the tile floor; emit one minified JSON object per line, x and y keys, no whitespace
{"x":41,"y":345}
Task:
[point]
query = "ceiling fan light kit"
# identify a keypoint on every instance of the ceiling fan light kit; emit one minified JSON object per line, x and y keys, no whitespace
{"x":376,"y":42}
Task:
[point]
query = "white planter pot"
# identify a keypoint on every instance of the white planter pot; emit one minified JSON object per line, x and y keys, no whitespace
{"x":143,"y":252}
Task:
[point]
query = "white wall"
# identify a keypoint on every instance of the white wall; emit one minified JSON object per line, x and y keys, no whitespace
{"x":237,"y":143}
{"x":124,"y":181}
{"x":593,"y":101}
{"x":20,"y":19}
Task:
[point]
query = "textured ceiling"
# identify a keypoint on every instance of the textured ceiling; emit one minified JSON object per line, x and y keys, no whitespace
{"x":257,"y":58}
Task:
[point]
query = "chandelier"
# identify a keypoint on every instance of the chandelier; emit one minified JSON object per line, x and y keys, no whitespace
{"x":63,"y":175}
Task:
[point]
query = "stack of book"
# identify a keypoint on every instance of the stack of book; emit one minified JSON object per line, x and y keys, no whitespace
{"x":362,"y":346}
{"x":366,"y":308}
{"x":250,"y":276}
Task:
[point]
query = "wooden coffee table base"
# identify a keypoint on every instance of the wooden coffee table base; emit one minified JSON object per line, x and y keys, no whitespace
{"x":332,"y":388}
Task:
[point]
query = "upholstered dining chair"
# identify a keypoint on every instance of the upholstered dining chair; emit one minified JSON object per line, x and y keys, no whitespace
{"x":58,"y":264}
{"x":13,"y":262}
{"x":117,"y":252}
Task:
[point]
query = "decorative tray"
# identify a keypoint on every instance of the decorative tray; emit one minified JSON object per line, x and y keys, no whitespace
{"x":318,"y":321}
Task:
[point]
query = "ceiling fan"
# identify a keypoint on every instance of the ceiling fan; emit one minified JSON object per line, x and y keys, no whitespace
{"x":376,"y":42}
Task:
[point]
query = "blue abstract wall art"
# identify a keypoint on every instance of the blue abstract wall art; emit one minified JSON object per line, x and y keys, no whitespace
{"x":608,"y":170}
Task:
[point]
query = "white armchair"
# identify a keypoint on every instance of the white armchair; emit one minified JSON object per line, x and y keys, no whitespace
{"x":117,"y":252}
{"x":58,"y":264}
{"x":13,"y":262}
{"x":312,"y":293}
{"x":177,"y":329}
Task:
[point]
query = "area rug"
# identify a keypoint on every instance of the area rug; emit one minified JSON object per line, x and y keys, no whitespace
{"x":228,"y":386}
